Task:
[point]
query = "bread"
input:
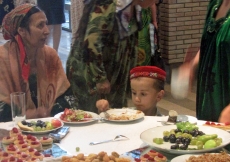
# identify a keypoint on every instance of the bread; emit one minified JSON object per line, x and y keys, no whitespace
{"x":25,"y":127}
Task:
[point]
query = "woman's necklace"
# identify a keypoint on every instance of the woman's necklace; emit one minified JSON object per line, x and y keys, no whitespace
{"x":211,"y":25}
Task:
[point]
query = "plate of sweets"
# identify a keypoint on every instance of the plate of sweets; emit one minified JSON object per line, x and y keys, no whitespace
{"x":101,"y":156}
{"x":76,"y":116}
{"x":185,"y":138}
{"x":210,"y":157}
{"x":40,"y":126}
{"x":20,"y":147}
{"x":145,"y":154}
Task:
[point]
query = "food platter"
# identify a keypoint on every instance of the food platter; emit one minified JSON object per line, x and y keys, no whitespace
{"x":157,"y":132}
{"x":184,"y":158}
{"x":94,"y":117}
{"x":222,"y":126}
{"x":43,"y":132}
{"x":123,"y":115}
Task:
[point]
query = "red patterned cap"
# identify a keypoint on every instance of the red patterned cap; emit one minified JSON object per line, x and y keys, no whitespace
{"x":148,"y":71}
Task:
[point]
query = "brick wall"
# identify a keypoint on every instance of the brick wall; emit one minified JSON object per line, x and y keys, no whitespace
{"x":180,"y":25}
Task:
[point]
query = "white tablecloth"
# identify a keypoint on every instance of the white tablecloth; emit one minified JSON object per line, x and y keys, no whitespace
{"x":82,"y":134}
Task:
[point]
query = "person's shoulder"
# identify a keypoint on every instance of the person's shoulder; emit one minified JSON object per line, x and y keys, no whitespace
{"x":49,"y":50}
{"x":4,"y":49}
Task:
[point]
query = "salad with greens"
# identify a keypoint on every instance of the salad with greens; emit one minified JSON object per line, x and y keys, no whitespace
{"x":73,"y":115}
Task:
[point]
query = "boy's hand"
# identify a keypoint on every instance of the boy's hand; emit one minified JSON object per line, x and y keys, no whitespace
{"x":102,"y":105}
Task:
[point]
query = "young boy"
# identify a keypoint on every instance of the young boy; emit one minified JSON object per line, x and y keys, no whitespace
{"x":147,"y":86}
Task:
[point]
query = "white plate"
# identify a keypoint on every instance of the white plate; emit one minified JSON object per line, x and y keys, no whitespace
{"x":182,"y":158}
{"x":203,"y":122}
{"x":94,"y":116}
{"x":42,"y":132}
{"x":157,"y":132}
{"x":133,"y":114}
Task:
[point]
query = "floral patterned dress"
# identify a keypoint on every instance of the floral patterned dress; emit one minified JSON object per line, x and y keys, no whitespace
{"x":102,"y":51}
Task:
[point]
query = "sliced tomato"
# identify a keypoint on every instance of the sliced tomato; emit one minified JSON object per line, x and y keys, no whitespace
{"x":67,"y":111}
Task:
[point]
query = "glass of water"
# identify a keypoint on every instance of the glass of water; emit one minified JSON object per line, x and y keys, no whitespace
{"x":18,"y":106}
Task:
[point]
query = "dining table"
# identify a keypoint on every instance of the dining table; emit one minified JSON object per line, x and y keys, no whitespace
{"x":80,"y":135}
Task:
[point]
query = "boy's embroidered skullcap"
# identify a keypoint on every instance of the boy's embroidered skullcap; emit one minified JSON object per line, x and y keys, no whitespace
{"x":148,"y":71}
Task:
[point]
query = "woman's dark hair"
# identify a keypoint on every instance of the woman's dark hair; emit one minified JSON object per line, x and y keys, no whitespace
{"x":26,"y":20}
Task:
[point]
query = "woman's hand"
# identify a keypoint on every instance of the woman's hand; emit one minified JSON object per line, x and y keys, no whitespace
{"x":39,"y":112}
{"x":225,"y":115}
{"x":103,"y":87}
{"x":102,"y":105}
{"x":188,"y":68}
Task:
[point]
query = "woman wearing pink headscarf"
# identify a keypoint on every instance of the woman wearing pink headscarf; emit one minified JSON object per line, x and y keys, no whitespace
{"x":28,"y":65}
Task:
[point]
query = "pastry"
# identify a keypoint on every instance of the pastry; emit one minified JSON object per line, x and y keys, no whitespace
{"x":25,"y":157}
{"x":160,"y":158}
{"x":11,"y":149}
{"x":152,"y":153}
{"x":145,"y":158}
{"x":15,"y":132}
{"x":12,"y":159}
{"x":20,"y":160}
{"x":31,"y":151}
{"x":8,"y":140}
{"x":36,"y":145}
{"x":24,"y":147}
{"x":33,"y":160}
{"x":46,"y":140}
{"x":31,"y":138}
{"x":19,"y":142}
{"x":20,"y":137}
{"x":38,"y":155}
{"x":18,"y":154}
{"x":25,"y":127}
{"x":5,"y":156}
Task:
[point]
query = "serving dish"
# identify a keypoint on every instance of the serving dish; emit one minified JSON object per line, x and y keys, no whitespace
{"x":157,"y":132}
{"x":122,"y":115}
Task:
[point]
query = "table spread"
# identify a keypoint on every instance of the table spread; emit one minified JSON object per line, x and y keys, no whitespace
{"x":82,"y":134}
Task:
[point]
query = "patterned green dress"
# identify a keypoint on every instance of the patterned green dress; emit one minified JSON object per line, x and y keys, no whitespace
{"x":98,"y":53}
{"x":144,"y":45}
{"x":213,"y":93}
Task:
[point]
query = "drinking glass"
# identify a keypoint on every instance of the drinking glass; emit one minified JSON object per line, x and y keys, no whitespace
{"x":18,"y":107}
